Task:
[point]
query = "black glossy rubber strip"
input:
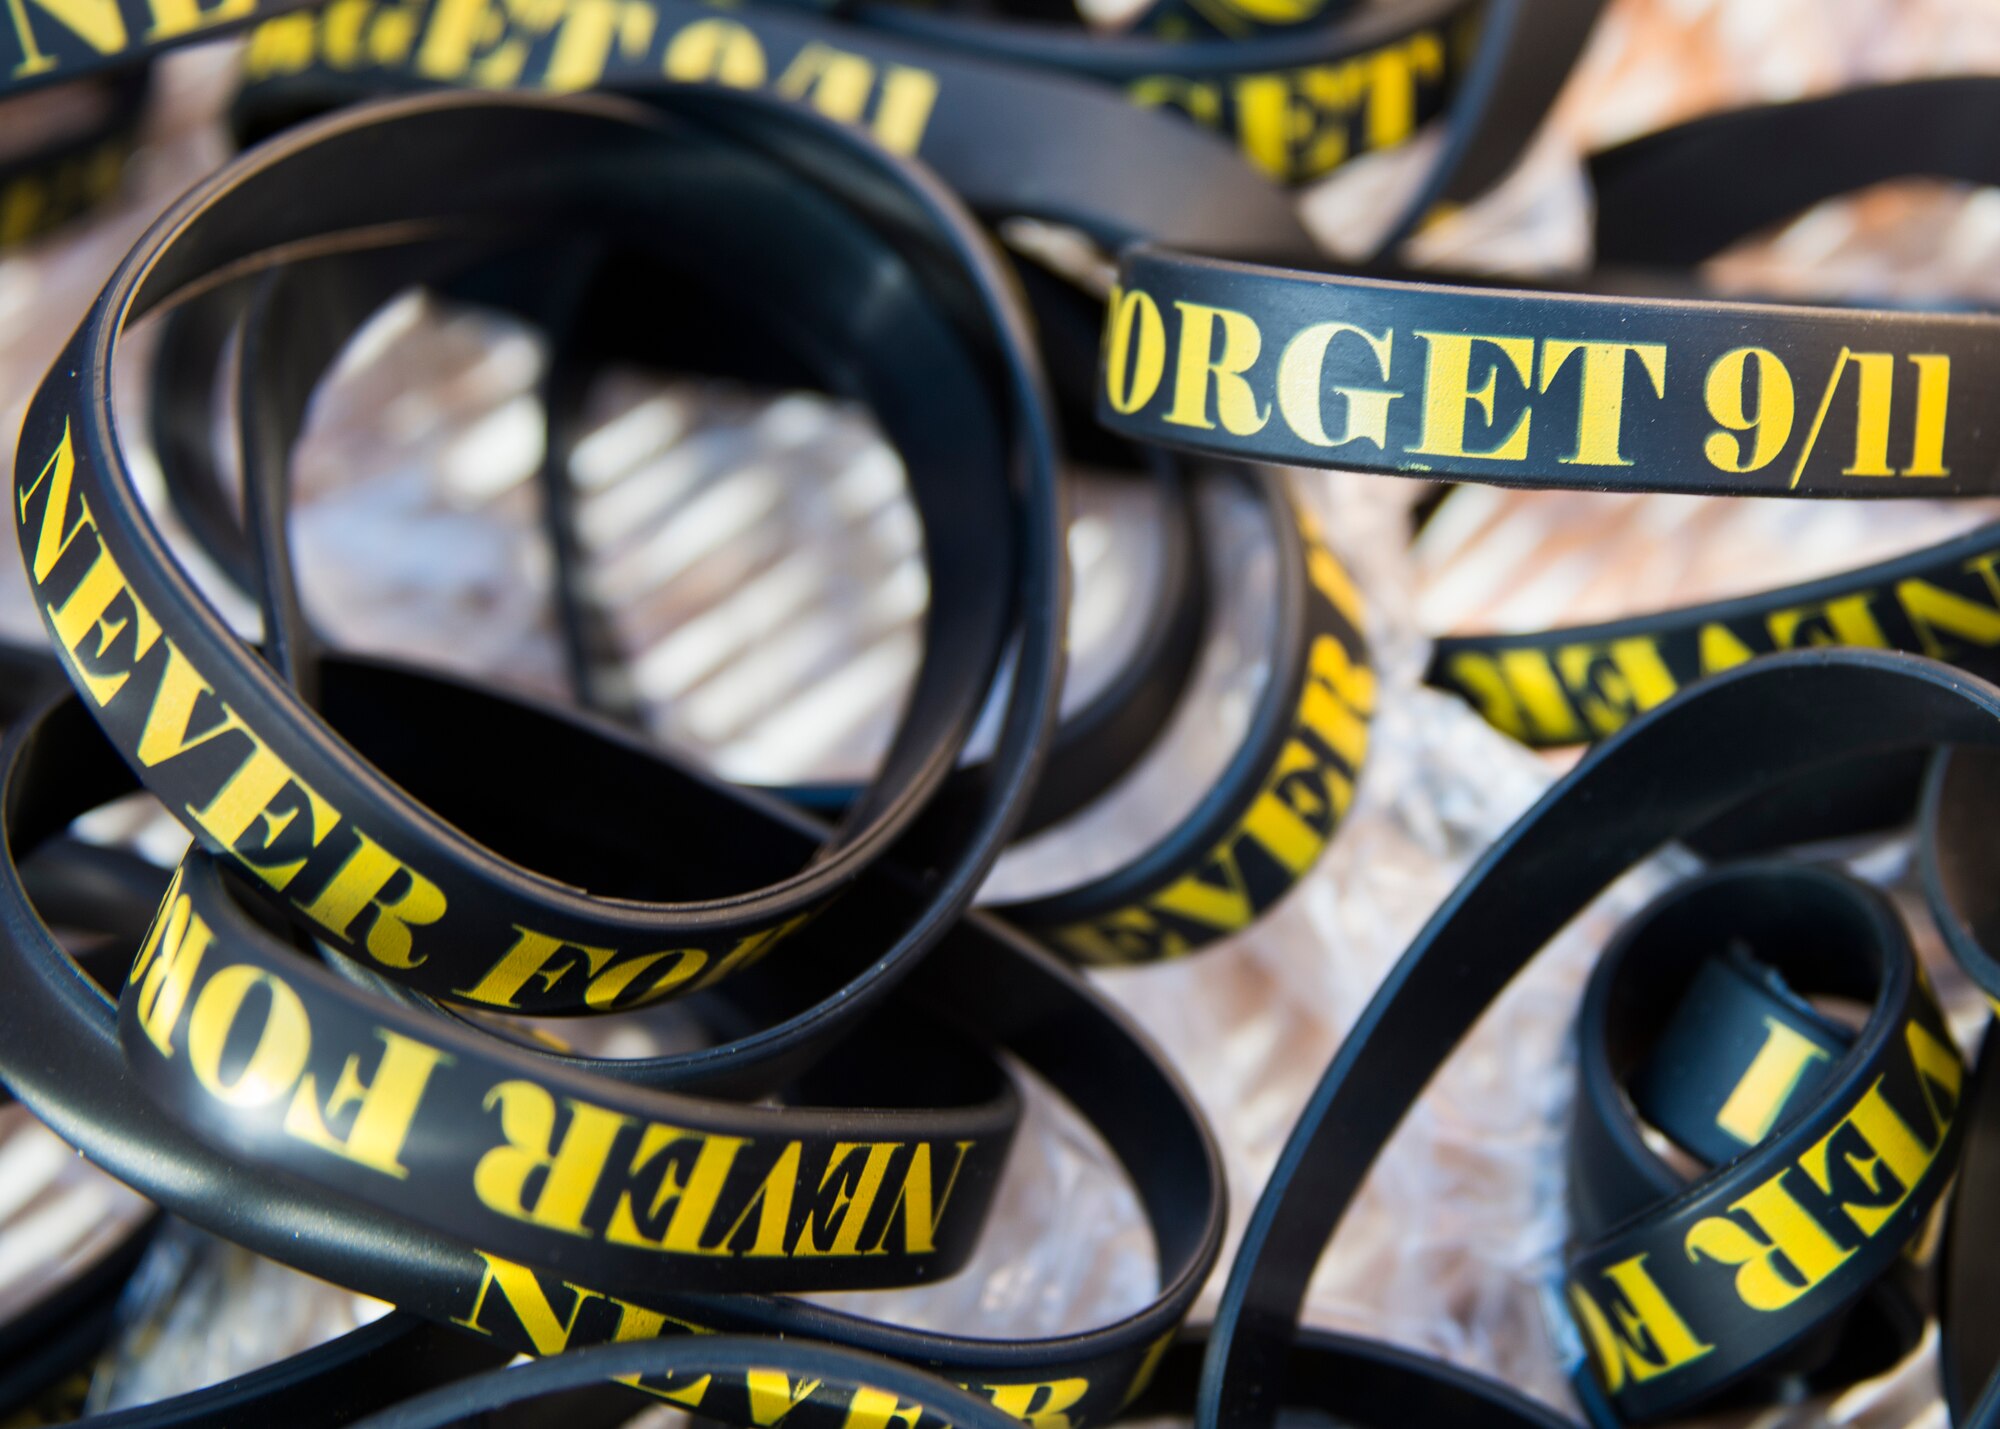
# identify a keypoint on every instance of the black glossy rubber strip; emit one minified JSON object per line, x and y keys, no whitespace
{"x":1695,"y":1023}
{"x":819,"y":1195}
{"x":43,"y":44}
{"x":330,"y":1385}
{"x":1953,"y":832}
{"x":1301,"y":99}
{"x":265,"y":1055}
{"x":1959,"y":793}
{"x":55,"y":167}
{"x":59,"y":1048}
{"x":779,"y":1378}
{"x":1577,"y":684}
{"x":1658,"y":205}
{"x":1296,"y":102}
{"x":1265,"y":823}
{"x":935,"y":82}
{"x":1969,"y":1293}
{"x":1269,"y":814}
{"x":1230,"y":19}
{"x":102,"y":899}
{"x":1272,"y":811}
{"x":335,"y":845}
{"x":1525,"y":53}
{"x":1669,"y":771}
{"x":1361,"y":1382}
{"x":1517,"y":388}
{"x":1090,"y":749}
{"x":931,"y":101}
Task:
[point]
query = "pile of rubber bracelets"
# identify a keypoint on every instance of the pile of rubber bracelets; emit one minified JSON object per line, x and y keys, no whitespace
{"x":305,"y":1039}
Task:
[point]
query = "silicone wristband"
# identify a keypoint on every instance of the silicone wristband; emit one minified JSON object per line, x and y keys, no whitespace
{"x":786,"y":1374}
{"x":1690,"y":1024}
{"x":1633,"y":394}
{"x":360,"y":861}
{"x":1741,"y":731}
{"x":58,"y":1046}
{"x":1658,"y":204}
{"x":77,"y":165}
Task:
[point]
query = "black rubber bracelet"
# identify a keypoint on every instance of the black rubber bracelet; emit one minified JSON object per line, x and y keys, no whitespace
{"x":1658,"y":204}
{"x":28,"y":676}
{"x":102,"y":899}
{"x":44,"y":45}
{"x":1230,"y":19}
{"x":914,"y":98}
{"x":1969,"y":1289}
{"x":332,"y":1384}
{"x":1366,"y":1383}
{"x":779,"y":1376}
{"x":264,"y":1055}
{"x":58,"y":1045}
{"x":1576,"y":684}
{"x":1952,"y":828}
{"x":427,"y":749}
{"x":351,"y":855}
{"x":1091,"y":749}
{"x":1271,"y":812}
{"x":1294,"y":104}
{"x":1958,"y":794}
{"x":77,"y":165}
{"x":273,"y":411}
{"x":1518,"y":388}
{"x":1690,"y":1024}
{"x":1300,"y":100}
{"x":826,"y":1190}
{"x":1669,"y":771}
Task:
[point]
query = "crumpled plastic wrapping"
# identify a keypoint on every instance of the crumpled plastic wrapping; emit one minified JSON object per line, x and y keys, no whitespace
{"x":764,"y":545}
{"x":200,"y":1310}
{"x":57,"y":1216}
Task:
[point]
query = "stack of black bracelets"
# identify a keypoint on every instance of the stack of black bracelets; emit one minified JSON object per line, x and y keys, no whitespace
{"x":297,"y":1040}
